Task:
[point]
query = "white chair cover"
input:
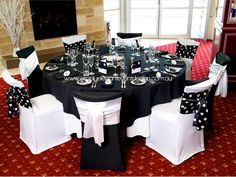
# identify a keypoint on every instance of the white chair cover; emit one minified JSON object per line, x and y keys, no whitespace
{"x":140,"y":127}
{"x":128,"y":41}
{"x":10,"y":80}
{"x":188,"y":63}
{"x":219,"y":74}
{"x":97,"y":114}
{"x":27,"y":65}
{"x":42,"y":126}
{"x":172,"y":134}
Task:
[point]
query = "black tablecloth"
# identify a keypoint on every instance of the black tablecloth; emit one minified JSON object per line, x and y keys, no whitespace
{"x":137,"y":101}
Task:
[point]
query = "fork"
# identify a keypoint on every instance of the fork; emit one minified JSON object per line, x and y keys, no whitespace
{"x":95,"y":83}
{"x":169,"y":73}
{"x":122,"y":83}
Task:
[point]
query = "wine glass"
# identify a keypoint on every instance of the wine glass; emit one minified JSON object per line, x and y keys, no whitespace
{"x":85,"y":65}
{"x":91,"y":62}
{"x":146,"y":58}
{"x":73,"y":54}
{"x":115,"y":64}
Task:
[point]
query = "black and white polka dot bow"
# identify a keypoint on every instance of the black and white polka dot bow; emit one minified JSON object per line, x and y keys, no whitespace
{"x":186,"y":51}
{"x":196,"y":103}
{"x":15,"y":96}
{"x":81,"y":45}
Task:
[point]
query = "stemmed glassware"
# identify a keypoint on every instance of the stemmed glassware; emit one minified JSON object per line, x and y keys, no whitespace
{"x":73,"y":54}
{"x":91,"y":62}
{"x":115,"y":64}
{"x":146,"y":57}
{"x":85,"y":65}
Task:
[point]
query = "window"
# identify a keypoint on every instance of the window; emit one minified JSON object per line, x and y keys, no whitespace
{"x":112,"y":15}
{"x":158,"y":18}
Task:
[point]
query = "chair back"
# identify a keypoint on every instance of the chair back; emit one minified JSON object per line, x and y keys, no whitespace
{"x":218,"y":73}
{"x":28,"y":61}
{"x":128,"y":35}
{"x":194,"y":100}
{"x":30,"y":69}
{"x":97,"y":114}
{"x":129,"y":39}
{"x":186,"y":48}
{"x":24,"y":53}
{"x":74,"y":42}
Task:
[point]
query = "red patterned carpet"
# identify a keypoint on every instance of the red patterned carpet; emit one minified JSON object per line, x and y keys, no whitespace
{"x":219,"y":158}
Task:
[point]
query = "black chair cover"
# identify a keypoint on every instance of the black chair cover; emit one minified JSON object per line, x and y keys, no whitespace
{"x":35,"y":79}
{"x":129,"y":35}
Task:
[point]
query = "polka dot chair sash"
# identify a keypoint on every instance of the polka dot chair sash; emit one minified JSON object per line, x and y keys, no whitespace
{"x":186,"y":51}
{"x":80,"y":45}
{"x":196,"y":103}
{"x":15,"y":96}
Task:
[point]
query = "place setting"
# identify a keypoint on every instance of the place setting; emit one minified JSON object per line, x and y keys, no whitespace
{"x":84,"y":81}
{"x":138,"y":81}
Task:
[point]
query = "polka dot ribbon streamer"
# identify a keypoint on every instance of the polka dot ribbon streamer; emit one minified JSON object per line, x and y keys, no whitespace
{"x":196,"y":103}
{"x":186,"y":51}
{"x":15,"y":96}
{"x":81,"y":45}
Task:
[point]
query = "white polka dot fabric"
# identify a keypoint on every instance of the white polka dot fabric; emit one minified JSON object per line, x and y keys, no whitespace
{"x":196,"y":103}
{"x":80,"y":45}
{"x":15,"y":96}
{"x":186,"y":51}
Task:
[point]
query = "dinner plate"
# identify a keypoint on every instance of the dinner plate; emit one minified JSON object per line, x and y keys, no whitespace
{"x":84,"y":81}
{"x":51,"y":67}
{"x":138,"y":81}
{"x":172,"y":70}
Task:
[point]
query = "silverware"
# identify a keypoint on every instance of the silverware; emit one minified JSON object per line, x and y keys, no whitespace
{"x":169,"y":73}
{"x":95,"y":83}
{"x":124,"y":84}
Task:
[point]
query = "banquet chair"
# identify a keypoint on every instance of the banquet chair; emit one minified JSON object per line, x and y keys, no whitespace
{"x":74,"y":42}
{"x":129,"y":39}
{"x":176,"y":128}
{"x":42,"y":124}
{"x":30,"y":69}
{"x":218,"y":74}
{"x":102,"y":145}
{"x":186,"y":49}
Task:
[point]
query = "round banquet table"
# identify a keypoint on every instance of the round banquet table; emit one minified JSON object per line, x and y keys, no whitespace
{"x":137,"y":101}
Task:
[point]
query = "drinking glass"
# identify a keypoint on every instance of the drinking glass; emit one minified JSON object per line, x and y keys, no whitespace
{"x":146,"y":57}
{"x":85,"y":65}
{"x":115,"y":64}
{"x":73,"y":54}
{"x":91,"y":62}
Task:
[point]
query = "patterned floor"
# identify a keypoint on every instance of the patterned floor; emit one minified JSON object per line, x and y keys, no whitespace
{"x":219,"y":158}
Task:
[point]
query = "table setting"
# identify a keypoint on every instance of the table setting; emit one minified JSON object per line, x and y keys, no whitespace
{"x":122,"y":70}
